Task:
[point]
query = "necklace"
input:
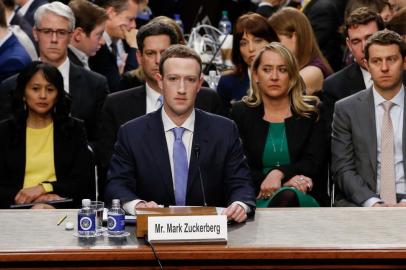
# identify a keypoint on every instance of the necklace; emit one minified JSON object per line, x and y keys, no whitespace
{"x":280,"y":146}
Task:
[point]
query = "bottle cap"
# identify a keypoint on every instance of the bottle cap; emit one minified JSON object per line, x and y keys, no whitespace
{"x":225,"y":13}
{"x":176,"y":16}
{"x":86,"y":202}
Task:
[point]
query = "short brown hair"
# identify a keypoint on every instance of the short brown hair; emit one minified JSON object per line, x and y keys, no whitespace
{"x":87,"y":15}
{"x":178,"y":51}
{"x":374,"y":5}
{"x":385,"y":37}
{"x":118,"y":5}
{"x":362,"y":15}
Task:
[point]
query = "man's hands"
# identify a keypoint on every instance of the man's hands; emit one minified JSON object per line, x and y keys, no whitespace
{"x":235,"y":212}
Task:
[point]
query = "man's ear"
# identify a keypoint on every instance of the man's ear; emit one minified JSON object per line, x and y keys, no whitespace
{"x":365,"y":61}
{"x":138,"y":55}
{"x":35,"y":33}
{"x":347,"y":41}
{"x":159,"y":79}
{"x":77,"y":34}
{"x":111,"y":12}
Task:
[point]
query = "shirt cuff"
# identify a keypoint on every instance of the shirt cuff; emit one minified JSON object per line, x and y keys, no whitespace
{"x":129,"y":207}
{"x":247,"y":209}
{"x":371,"y":201}
{"x":48,"y":187}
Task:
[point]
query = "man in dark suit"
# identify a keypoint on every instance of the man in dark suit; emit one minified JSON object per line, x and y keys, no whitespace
{"x":369,"y":131}
{"x":325,"y":16}
{"x":359,"y":26}
{"x":27,"y":9}
{"x":268,"y":7}
{"x":87,"y":89}
{"x":87,"y":38}
{"x":110,"y":60}
{"x":158,"y":156}
{"x":120,"y":107}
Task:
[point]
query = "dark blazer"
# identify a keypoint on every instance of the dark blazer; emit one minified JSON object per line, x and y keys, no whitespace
{"x":74,"y":59}
{"x":266,"y":11}
{"x":306,"y":142}
{"x":325,"y":18}
{"x":354,"y":149}
{"x":13,"y":57}
{"x":232,"y":88}
{"x":105,"y":63}
{"x":29,"y":15}
{"x":24,"y":25}
{"x":126,"y":105}
{"x":73,"y":163}
{"x":140,"y":167}
{"x":88,"y":91}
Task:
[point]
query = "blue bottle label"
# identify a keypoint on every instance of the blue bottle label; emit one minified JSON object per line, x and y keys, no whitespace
{"x":86,"y":223}
{"x":116,"y":223}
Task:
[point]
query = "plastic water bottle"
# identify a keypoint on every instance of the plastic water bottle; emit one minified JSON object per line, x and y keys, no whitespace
{"x":212,"y":81}
{"x":116,"y":219}
{"x":178,"y":21}
{"x":225,"y":24}
{"x":86,"y":220}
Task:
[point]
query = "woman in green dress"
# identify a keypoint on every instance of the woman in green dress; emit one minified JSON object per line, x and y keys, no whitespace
{"x":282,"y":133}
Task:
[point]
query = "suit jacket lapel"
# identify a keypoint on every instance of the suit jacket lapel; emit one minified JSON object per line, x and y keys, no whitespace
{"x":368,"y":125}
{"x":75,"y":87}
{"x":201,"y":140}
{"x":159,"y":151}
{"x":140,"y":103}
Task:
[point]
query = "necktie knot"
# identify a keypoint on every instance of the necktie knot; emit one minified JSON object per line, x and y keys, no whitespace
{"x":178,"y":132}
{"x":387,"y":105}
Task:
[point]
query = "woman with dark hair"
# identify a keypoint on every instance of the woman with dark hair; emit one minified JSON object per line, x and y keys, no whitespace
{"x":296,"y":33}
{"x":251,"y":33}
{"x":44,"y":154}
{"x":282,"y":133}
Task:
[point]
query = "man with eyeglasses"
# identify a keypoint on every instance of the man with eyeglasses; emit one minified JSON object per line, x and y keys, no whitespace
{"x":54,"y":23}
{"x":179,"y":155}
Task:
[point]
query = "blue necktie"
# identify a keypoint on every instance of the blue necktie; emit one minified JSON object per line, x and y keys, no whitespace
{"x":160,"y":101}
{"x":180,"y":166}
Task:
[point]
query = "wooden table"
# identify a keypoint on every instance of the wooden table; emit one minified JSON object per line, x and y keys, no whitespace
{"x":307,"y":238}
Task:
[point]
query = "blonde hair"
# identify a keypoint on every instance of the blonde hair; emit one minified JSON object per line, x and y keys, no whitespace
{"x":300,"y":103}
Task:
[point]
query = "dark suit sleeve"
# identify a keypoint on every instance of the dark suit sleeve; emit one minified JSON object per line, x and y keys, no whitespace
{"x":121,"y":175}
{"x":237,"y":114}
{"x":312,"y":159}
{"x":102,"y":90}
{"x":75,"y":178}
{"x":238,"y":181}
{"x":343,"y":166}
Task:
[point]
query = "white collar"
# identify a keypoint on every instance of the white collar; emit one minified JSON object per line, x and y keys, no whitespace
{"x":107,"y":39}
{"x":152,"y":95}
{"x":189,"y":123}
{"x":81,"y":55}
{"x":398,"y":99}
{"x":265,"y":3}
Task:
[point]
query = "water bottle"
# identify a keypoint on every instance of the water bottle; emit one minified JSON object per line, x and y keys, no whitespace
{"x":116,"y":219}
{"x":86,"y":220}
{"x":225,"y":24}
{"x":212,"y":81}
{"x":178,"y":21}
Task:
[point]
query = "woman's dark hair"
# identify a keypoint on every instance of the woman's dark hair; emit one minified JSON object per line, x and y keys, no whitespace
{"x":61,"y":109}
{"x":256,"y":25}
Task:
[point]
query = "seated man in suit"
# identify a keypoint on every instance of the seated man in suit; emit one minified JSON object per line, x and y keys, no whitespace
{"x":359,"y":26}
{"x":369,"y":131}
{"x":27,"y":8}
{"x":153,"y":39}
{"x":54,"y":23}
{"x":118,"y":53}
{"x":158,"y":156}
{"x":87,"y":38}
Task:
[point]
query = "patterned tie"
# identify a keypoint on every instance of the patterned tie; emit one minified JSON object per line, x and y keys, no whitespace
{"x":388,"y":189}
{"x":180,"y":166}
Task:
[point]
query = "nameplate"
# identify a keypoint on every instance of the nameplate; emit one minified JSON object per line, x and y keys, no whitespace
{"x":187,"y":229}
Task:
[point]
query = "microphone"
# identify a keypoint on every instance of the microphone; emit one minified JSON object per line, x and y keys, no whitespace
{"x":196,"y":149}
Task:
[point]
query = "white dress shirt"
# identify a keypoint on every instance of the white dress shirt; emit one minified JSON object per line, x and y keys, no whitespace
{"x":64,"y":69}
{"x":396,"y":114}
{"x":367,"y":78}
{"x":152,"y":99}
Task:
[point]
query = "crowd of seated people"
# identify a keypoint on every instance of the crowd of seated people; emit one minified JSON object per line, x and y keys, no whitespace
{"x":90,"y":89}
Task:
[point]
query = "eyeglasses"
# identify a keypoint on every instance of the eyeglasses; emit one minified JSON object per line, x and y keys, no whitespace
{"x":60,"y":33}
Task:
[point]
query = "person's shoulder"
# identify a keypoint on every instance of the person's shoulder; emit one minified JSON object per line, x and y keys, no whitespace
{"x":94,"y":76}
{"x":123,"y":95}
{"x":213,"y":119}
{"x":353,"y":100}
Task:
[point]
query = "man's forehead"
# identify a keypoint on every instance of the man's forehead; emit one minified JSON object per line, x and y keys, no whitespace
{"x":383,"y":50}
